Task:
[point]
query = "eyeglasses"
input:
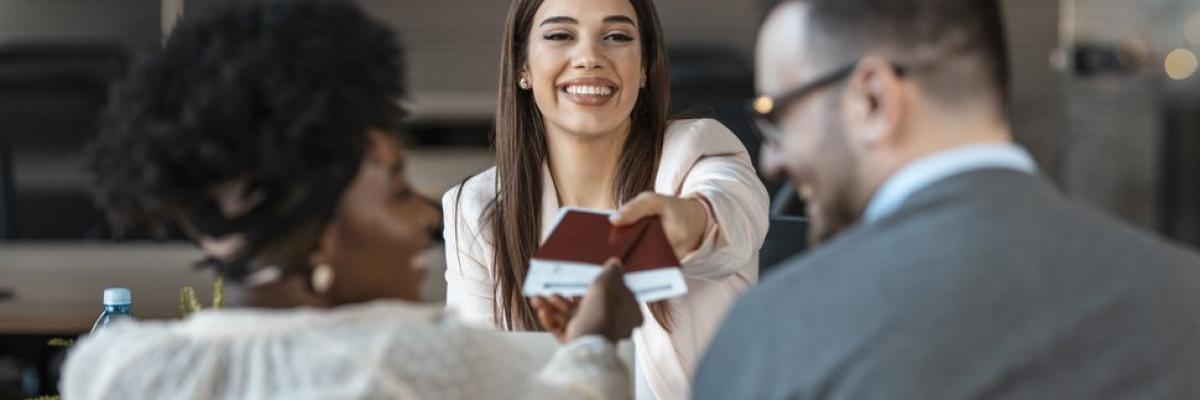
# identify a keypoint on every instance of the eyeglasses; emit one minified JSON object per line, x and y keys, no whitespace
{"x":765,"y":111}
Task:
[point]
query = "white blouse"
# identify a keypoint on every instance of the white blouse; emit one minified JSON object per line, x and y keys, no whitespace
{"x":378,"y":350}
{"x":700,"y":157}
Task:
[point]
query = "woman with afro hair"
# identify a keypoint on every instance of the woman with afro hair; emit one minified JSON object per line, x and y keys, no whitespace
{"x":268,"y":130}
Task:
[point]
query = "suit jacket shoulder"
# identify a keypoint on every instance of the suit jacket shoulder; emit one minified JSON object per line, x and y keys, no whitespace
{"x":988,"y":284}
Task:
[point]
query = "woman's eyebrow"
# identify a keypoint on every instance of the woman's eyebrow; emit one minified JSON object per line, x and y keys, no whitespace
{"x":558,"y":20}
{"x":619,"y":19}
{"x":612,"y":19}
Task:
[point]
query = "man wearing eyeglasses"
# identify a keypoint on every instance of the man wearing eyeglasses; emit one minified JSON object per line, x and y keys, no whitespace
{"x":946,"y":268}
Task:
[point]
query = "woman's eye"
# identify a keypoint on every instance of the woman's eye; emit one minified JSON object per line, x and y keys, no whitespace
{"x":619,"y":37}
{"x":557,"y":36}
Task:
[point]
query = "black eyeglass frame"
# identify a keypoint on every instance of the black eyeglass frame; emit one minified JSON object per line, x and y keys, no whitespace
{"x":766,"y":110}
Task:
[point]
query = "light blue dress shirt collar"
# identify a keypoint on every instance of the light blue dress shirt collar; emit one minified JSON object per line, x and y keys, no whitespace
{"x":935,"y":167}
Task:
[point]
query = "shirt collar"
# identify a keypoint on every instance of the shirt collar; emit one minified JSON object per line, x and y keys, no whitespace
{"x":941,"y":165}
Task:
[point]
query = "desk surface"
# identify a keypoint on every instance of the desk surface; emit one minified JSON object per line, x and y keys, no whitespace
{"x":58,"y":287}
{"x":540,"y":346}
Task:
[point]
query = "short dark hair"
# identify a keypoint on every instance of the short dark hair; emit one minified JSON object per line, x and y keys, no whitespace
{"x":949,"y":30}
{"x":282,"y":93}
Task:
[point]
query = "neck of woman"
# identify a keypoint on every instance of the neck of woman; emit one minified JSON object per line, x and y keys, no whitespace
{"x":584,"y":167}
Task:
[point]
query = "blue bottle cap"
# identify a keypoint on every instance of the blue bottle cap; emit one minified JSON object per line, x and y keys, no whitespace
{"x":117,"y":297}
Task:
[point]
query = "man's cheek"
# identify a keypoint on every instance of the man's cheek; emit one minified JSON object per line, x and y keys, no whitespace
{"x":816,"y":223}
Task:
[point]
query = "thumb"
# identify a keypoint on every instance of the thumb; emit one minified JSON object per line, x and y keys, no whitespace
{"x":612,"y":275}
{"x":612,"y":267}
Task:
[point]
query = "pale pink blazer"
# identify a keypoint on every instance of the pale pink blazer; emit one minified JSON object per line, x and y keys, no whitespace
{"x":700,"y":157}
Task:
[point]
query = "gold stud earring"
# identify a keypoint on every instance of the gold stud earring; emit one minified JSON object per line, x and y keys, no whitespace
{"x":523,"y":83}
{"x":322,"y":278}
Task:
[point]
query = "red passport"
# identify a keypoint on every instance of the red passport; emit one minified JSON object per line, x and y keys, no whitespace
{"x":582,"y":240}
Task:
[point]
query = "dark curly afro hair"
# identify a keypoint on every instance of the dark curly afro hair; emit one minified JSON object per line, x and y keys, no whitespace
{"x":280,"y":92}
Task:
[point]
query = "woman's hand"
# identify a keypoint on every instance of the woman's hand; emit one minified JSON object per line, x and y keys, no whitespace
{"x":608,"y":309}
{"x":554,"y":313}
{"x":684,"y":219}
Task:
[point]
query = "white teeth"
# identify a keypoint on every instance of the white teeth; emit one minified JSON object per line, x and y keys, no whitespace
{"x":589,"y":90}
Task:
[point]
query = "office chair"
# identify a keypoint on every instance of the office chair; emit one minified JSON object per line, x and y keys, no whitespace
{"x":715,"y":83}
{"x":787,"y":237}
{"x":6,"y":188}
{"x":50,"y":100}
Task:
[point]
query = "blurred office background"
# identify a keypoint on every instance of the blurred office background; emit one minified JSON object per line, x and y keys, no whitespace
{"x":1104,"y":97}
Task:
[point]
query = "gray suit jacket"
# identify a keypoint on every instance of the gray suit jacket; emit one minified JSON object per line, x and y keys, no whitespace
{"x":986,"y":285}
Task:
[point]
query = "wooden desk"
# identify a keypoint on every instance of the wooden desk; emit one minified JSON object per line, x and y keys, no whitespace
{"x":58,"y":287}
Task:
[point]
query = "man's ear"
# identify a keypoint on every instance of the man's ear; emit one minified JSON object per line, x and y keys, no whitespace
{"x":875,"y":101}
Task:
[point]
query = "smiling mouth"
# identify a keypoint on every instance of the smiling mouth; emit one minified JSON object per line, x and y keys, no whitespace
{"x":589,"y":90}
{"x":592,"y":92}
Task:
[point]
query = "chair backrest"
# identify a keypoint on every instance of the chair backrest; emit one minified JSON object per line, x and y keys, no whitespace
{"x":50,"y":95}
{"x":787,"y":236}
{"x":713,"y":83}
{"x":50,"y":99}
{"x":6,"y":188}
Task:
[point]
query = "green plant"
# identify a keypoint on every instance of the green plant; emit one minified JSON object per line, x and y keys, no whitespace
{"x":188,"y":304}
{"x":60,"y":342}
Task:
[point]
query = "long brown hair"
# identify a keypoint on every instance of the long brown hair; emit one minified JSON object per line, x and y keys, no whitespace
{"x":520,"y":143}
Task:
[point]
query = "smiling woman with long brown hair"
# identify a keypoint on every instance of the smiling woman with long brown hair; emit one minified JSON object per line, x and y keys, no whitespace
{"x":582,"y":121}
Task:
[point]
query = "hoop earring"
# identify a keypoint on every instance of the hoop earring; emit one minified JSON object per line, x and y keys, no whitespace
{"x":524,"y":84}
{"x":322,"y":278}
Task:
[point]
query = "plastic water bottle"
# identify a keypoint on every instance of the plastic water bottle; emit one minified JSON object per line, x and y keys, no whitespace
{"x":117,"y":306}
